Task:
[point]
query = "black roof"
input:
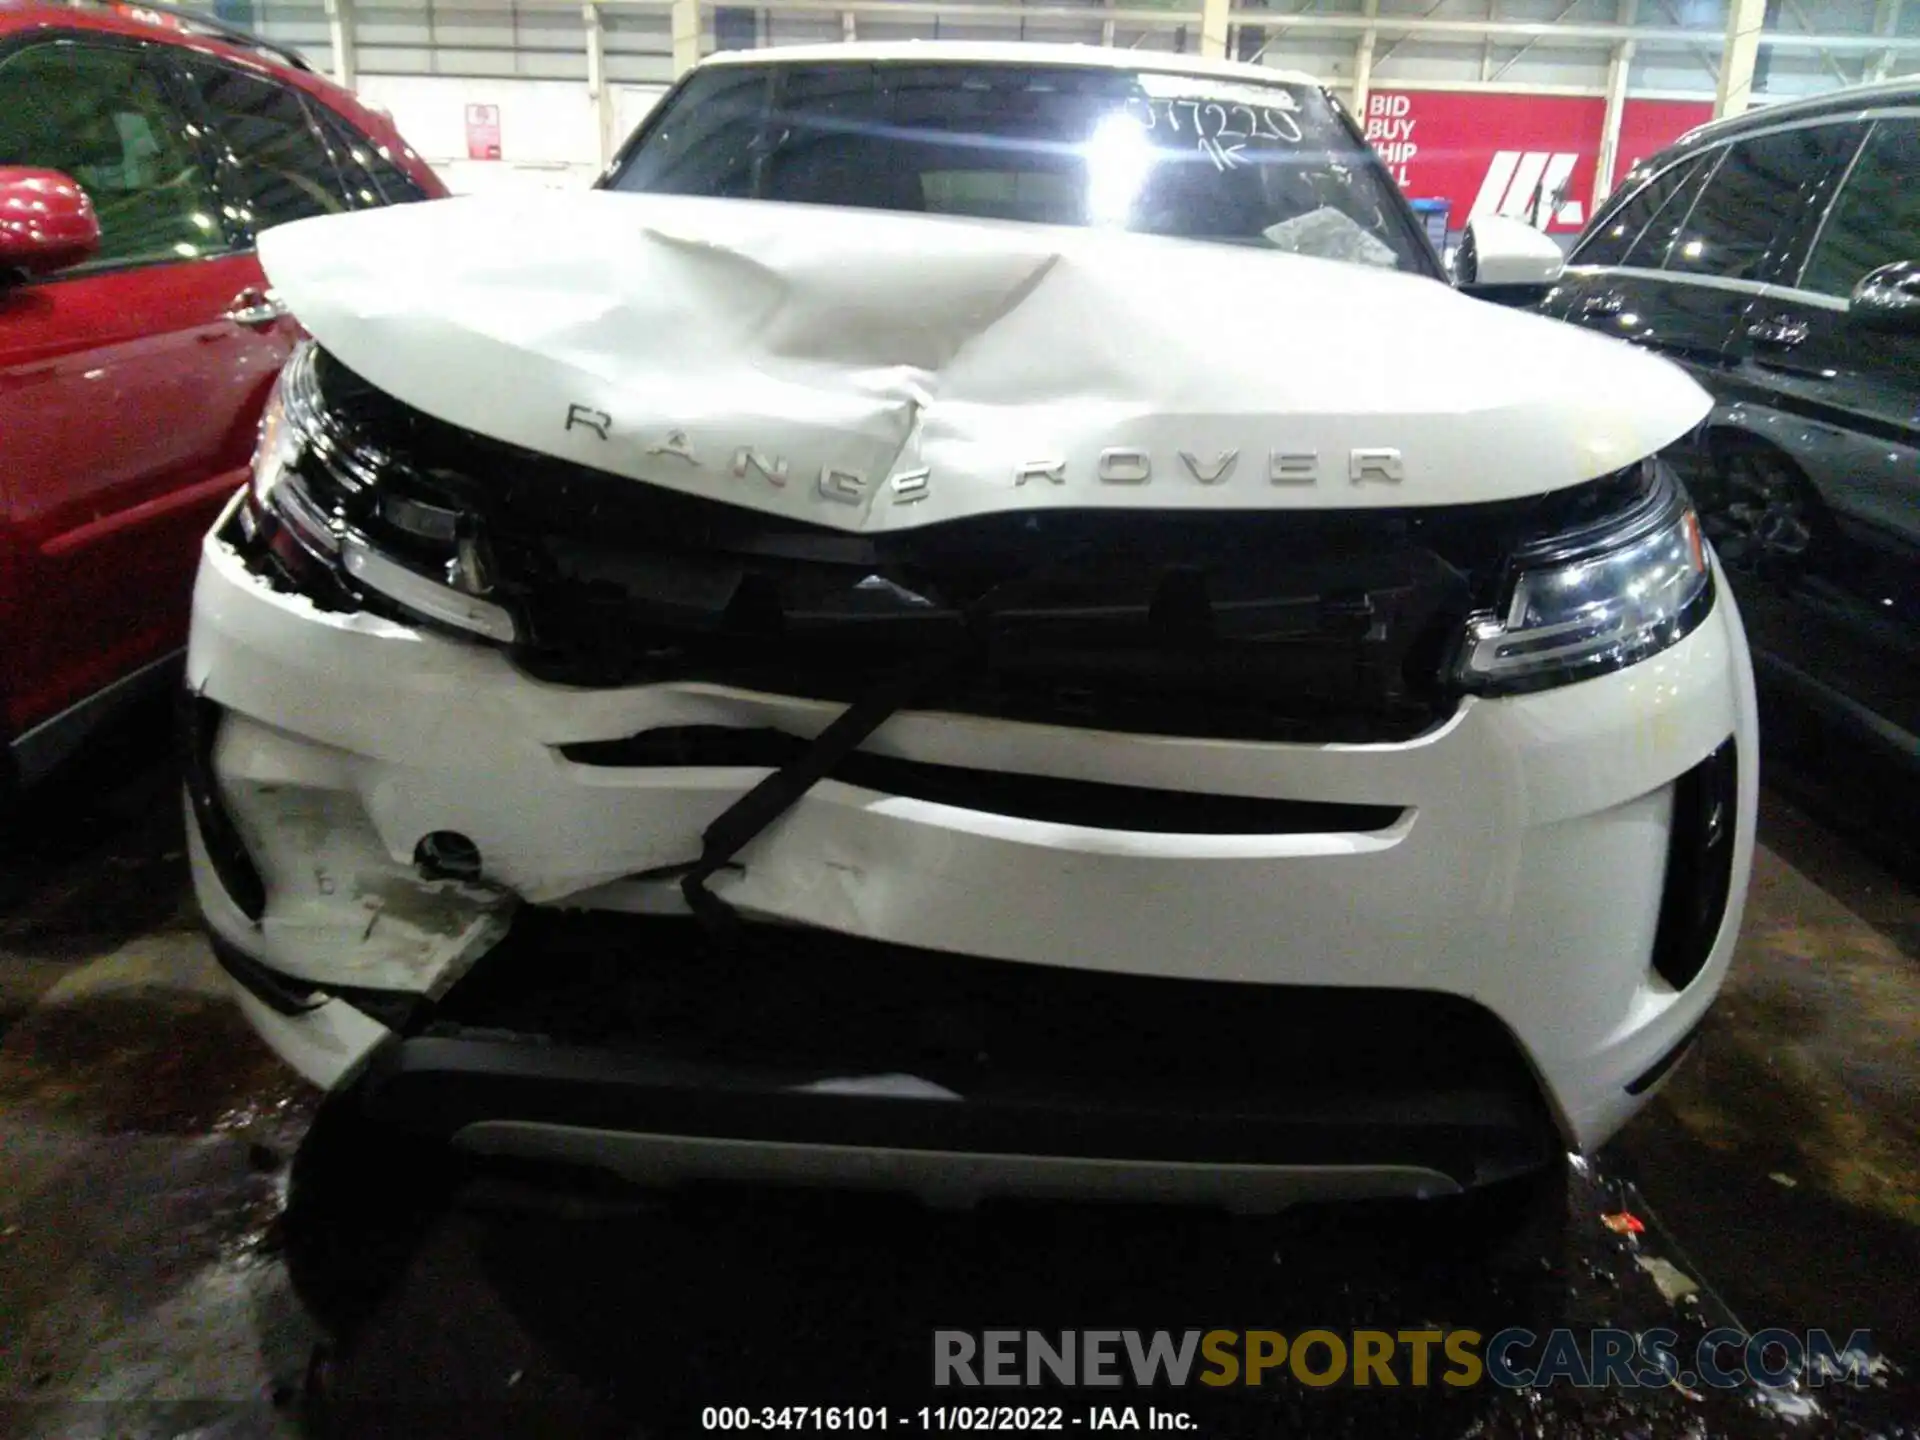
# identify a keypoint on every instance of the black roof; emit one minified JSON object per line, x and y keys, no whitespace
{"x":1854,"y":99}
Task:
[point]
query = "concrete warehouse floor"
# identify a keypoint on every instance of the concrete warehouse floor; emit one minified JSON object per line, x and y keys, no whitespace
{"x":167,"y":1268}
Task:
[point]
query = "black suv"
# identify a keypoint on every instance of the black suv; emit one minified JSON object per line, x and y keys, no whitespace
{"x":1777,"y":257}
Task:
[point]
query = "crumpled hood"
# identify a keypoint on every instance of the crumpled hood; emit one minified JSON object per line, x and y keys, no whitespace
{"x":873,"y":371}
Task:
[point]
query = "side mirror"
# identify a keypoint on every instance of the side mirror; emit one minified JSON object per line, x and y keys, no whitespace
{"x":1888,"y":298}
{"x":1506,"y":259}
{"x":46,"y":221}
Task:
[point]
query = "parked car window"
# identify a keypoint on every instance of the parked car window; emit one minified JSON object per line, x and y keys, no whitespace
{"x":370,"y":178}
{"x":1609,"y":243}
{"x":100,"y":115}
{"x":1876,"y":220}
{"x":275,"y":157}
{"x":396,"y":185}
{"x":1650,"y":250}
{"x":1757,"y":196}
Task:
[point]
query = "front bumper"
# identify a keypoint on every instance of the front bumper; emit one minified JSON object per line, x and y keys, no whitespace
{"x":1520,"y":873}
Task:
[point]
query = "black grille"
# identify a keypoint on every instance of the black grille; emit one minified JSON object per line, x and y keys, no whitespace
{"x":1275,"y":625}
{"x":803,"y":997}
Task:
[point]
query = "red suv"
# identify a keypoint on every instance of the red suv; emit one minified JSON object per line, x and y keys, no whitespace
{"x":141,"y":152}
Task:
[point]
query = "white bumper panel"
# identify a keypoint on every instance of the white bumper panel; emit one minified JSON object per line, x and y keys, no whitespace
{"x":1524,"y":873}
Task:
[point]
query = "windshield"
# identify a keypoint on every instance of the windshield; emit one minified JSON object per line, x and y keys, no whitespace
{"x":1246,"y":163}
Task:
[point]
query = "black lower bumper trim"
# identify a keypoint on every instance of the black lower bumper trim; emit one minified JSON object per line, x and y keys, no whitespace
{"x":1699,"y":874}
{"x":239,"y":877}
{"x":1658,"y":1071}
{"x":289,"y":995}
{"x":644,"y":1026}
{"x":281,"y":994}
{"x":441,"y":1084}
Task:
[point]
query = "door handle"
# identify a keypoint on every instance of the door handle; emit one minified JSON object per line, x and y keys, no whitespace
{"x":1774,"y":340}
{"x":256,"y":309}
{"x":1777,"y":332}
{"x":1687,"y":351}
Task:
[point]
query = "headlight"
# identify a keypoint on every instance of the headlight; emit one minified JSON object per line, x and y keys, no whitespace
{"x":322,"y":507}
{"x":288,"y":430}
{"x":1589,"y":603}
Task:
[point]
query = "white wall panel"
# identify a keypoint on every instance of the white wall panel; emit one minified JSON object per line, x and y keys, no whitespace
{"x":1675,"y":70}
{"x":548,"y":134}
{"x":778,"y":29}
{"x":1161,"y":40}
{"x":1557,"y":65}
{"x":1328,"y":57}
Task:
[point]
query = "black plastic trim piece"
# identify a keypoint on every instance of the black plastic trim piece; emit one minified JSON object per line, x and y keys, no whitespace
{"x":1700,"y":845}
{"x":279,"y":993}
{"x":1044,"y":798}
{"x":1657,"y":1071}
{"x":199,"y":727}
{"x":289,"y":995}
{"x":779,"y":792}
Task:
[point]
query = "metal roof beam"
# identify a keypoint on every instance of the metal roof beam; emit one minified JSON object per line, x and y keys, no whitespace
{"x":1387,"y":54}
{"x":1792,"y":7}
{"x":1515,"y":58}
{"x":1746,"y":20}
{"x":1886,"y":21}
{"x":340,"y":38}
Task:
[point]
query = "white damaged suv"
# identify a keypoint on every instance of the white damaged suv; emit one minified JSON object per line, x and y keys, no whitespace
{"x":974,"y":618}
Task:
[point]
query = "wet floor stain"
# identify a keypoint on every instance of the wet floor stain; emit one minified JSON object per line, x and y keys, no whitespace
{"x":97,"y":857}
{"x":149,"y":1062}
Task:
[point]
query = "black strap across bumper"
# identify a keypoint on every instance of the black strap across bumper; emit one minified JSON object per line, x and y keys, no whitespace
{"x":767,"y":801}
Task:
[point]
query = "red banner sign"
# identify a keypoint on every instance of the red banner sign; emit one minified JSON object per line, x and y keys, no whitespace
{"x":1530,"y":156}
{"x":1649,"y":126}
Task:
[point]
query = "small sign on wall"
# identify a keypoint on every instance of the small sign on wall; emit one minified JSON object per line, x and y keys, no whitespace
{"x":483,"y":132}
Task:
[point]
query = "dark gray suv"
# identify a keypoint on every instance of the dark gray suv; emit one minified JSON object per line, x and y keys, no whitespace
{"x":1777,"y":257}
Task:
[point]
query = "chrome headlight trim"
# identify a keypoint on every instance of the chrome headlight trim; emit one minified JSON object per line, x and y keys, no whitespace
{"x":404,"y":586}
{"x":1596,"y":601}
{"x":296,"y":441}
{"x":288,"y":429}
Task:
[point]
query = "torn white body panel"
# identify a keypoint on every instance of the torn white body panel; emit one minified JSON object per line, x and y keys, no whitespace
{"x":344,"y":908}
{"x":871,"y":371}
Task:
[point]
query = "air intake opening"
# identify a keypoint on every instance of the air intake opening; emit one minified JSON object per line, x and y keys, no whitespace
{"x":1699,"y":866}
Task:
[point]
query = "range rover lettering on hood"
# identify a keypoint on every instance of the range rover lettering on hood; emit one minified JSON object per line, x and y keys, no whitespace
{"x":1117,"y":465}
{"x":871,"y":371}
